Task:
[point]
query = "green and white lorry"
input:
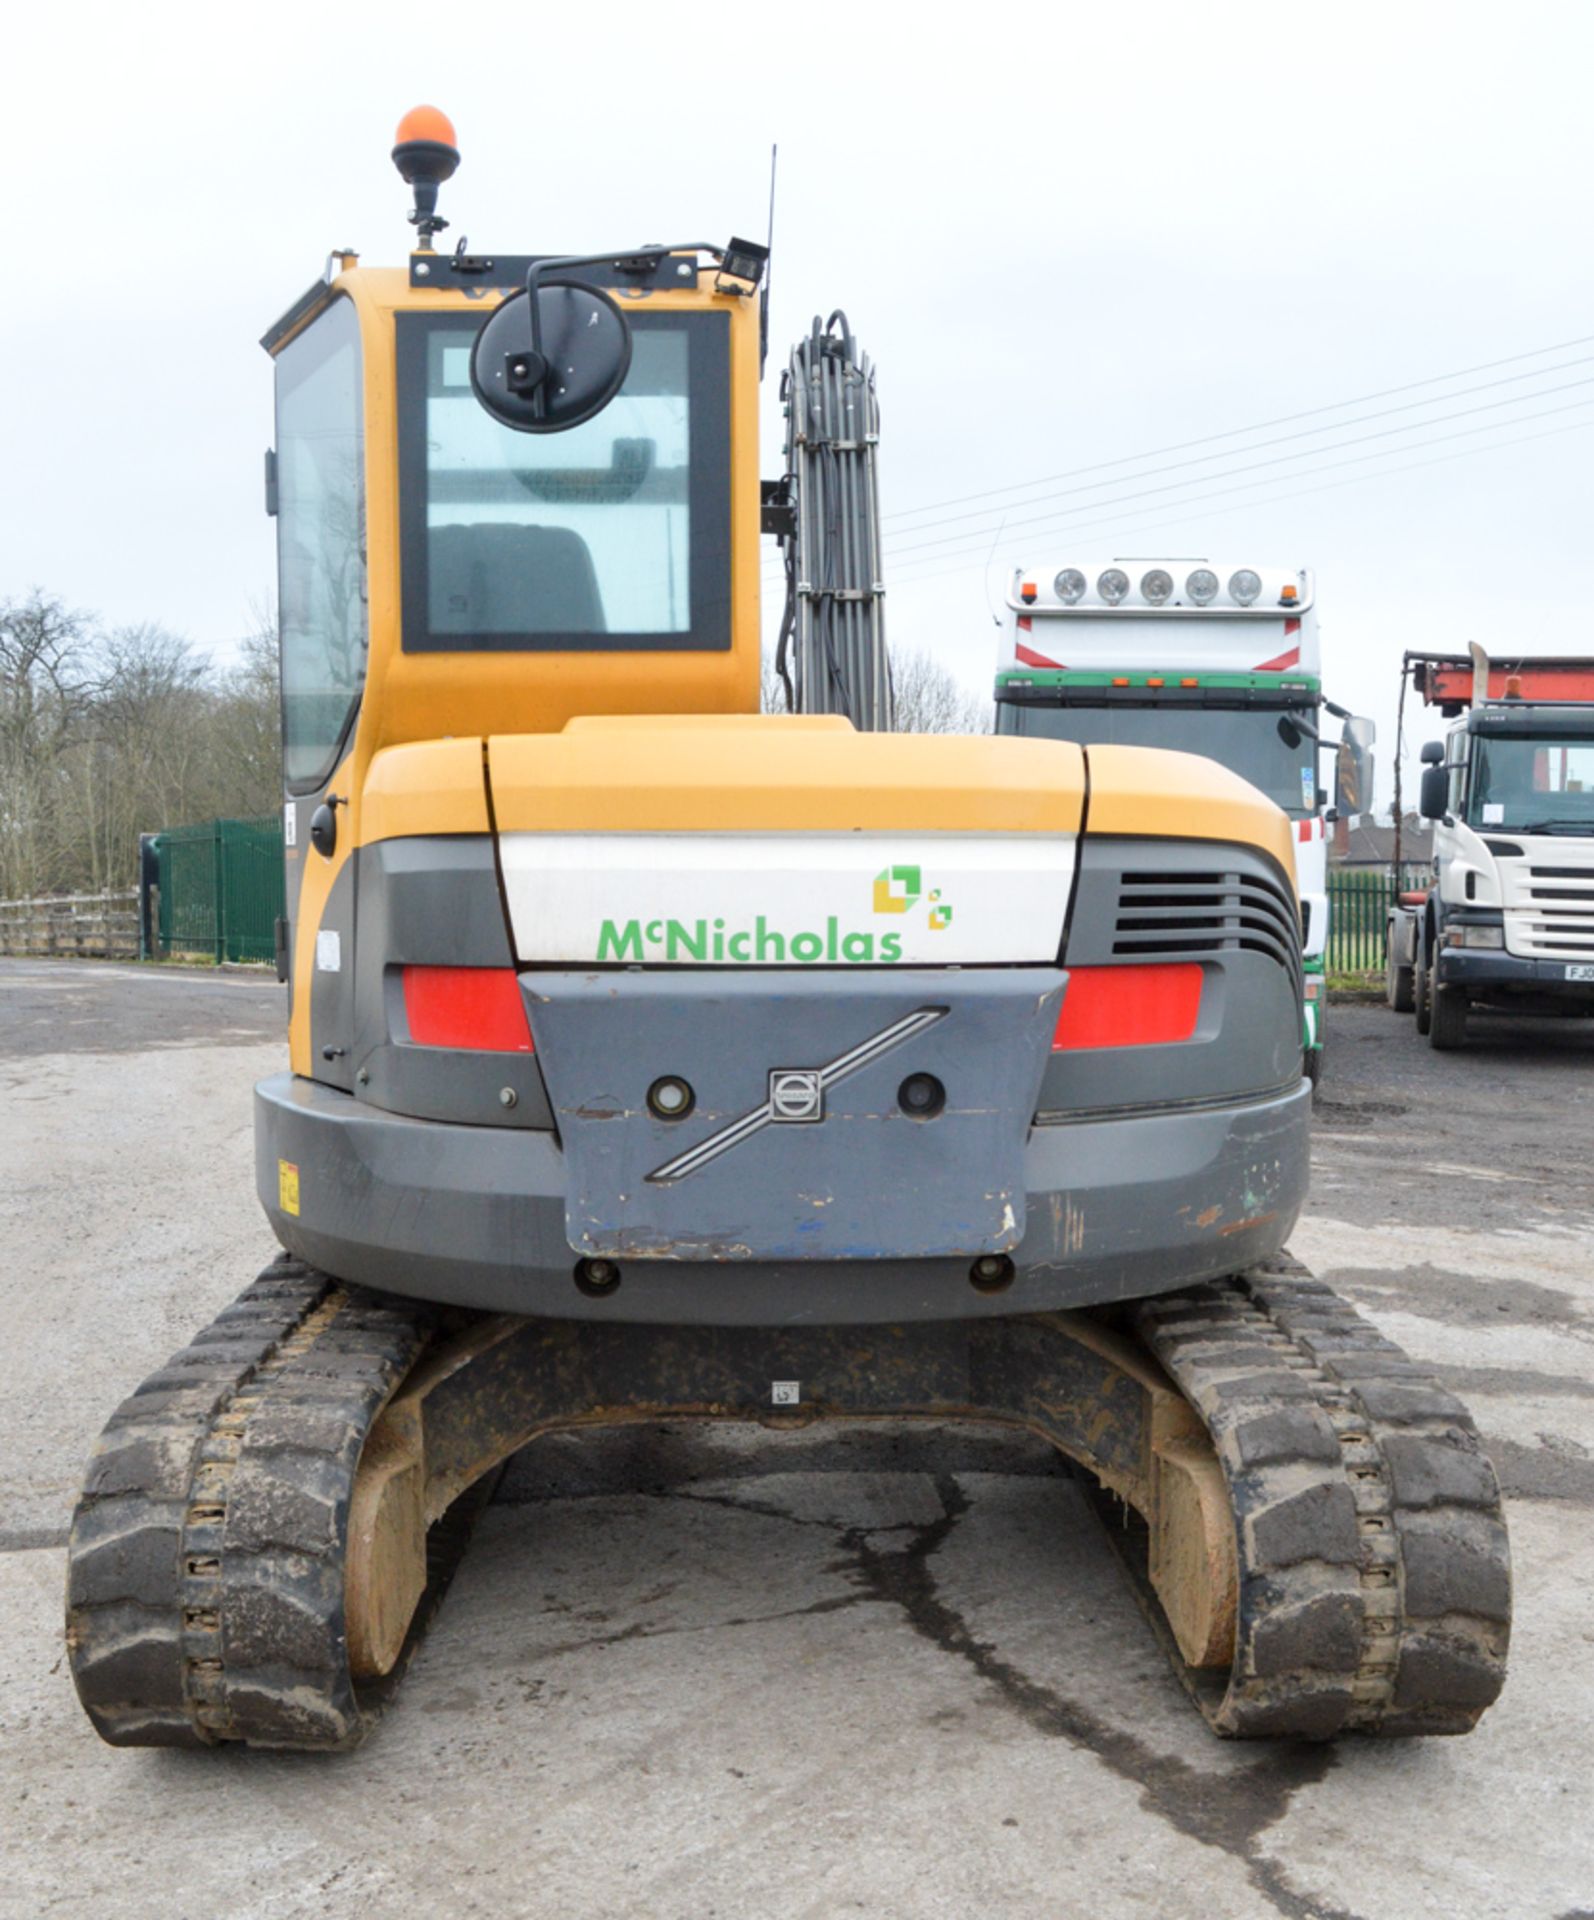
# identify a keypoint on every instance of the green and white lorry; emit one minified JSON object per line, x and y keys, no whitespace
{"x":1203,"y":658}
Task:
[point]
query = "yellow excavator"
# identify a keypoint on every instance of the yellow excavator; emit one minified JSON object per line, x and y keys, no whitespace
{"x":655,"y":1058}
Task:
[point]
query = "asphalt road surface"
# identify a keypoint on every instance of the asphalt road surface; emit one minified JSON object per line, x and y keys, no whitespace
{"x":732,"y":1673}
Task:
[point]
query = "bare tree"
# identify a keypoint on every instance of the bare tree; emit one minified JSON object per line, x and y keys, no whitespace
{"x":141,"y":744}
{"x":107,"y":736}
{"x":46,"y":692}
{"x":244,"y":738}
{"x":931,"y":699}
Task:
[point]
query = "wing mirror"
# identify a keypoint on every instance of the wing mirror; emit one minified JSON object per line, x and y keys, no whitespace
{"x":554,"y":354}
{"x":1353,"y":767}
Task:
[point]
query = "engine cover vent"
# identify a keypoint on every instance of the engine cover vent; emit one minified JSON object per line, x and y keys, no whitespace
{"x":1195,"y":913}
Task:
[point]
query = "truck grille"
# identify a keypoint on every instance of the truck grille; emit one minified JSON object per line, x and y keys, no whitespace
{"x":1196,"y":913}
{"x":1552,"y":914}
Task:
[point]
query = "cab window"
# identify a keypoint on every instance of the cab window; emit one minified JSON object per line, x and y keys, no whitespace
{"x":1457,"y":801}
{"x":614,"y":534}
{"x":320,"y":542}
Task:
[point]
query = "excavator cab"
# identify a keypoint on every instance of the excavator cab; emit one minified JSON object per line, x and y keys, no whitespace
{"x":652,"y":1056}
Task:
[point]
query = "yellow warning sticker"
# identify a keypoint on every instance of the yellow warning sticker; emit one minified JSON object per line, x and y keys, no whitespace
{"x":287,"y":1186}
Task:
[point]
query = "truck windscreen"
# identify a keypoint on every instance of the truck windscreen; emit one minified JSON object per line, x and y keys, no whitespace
{"x":1532,"y":783}
{"x":1247,"y":741}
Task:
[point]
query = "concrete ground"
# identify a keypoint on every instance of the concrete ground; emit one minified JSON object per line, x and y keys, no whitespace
{"x":888,"y":1673}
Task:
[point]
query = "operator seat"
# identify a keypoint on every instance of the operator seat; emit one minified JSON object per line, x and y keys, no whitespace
{"x":494,"y":577}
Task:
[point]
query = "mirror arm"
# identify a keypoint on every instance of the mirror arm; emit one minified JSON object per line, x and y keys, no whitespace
{"x":649,"y":256}
{"x":1339,"y":712}
{"x":632,"y":255}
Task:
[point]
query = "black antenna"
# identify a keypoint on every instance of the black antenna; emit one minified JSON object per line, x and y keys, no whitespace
{"x":769,"y":241}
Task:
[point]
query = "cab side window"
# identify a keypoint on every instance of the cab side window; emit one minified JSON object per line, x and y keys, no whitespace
{"x":1457,"y":757}
{"x":320,"y":542}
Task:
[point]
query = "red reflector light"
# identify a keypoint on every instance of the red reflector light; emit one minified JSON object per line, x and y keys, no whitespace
{"x":473,"y":1007}
{"x":1128,"y":1006}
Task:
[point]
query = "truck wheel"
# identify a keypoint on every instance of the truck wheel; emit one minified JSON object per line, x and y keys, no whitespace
{"x":1399,"y":986}
{"x":1447,"y":1019}
{"x":1420,"y":982}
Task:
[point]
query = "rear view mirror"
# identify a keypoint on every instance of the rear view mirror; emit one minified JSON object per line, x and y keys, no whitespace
{"x":1353,"y":767}
{"x":1433,"y":754}
{"x":551,"y":357}
{"x":1435,"y":793}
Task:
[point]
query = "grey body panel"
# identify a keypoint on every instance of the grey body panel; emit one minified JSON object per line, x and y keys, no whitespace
{"x":1225,"y":908}
{"x":859,"y":1179}
{"x":1116,"y":1208}
{"x":433,"y":901}
{"x":423,"y":901}
{"x":331,"y":986}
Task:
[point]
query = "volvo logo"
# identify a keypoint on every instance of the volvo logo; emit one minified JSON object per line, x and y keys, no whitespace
{"x":797,"y":1094}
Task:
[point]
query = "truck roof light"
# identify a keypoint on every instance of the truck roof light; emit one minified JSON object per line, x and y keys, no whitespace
{"x":1156,"y":680}
{"x":1070,"y":585}
{"x":1156,"y":586}
{"x":1190,"y":681}
{"x":1112,"y":585}
{"x":1120,"y":680}
{"x":1244,"y":586}
{"x":1202,"y":586}
{"x":1289,"y":596}
{"x":1026,"y":593}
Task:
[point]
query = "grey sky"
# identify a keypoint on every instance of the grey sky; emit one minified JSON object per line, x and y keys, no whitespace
{"x":1065,"y":235}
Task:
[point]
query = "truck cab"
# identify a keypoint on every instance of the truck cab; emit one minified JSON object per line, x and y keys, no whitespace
{"x":1508,"y":921}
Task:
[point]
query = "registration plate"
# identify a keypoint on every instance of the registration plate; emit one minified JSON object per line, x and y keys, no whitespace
{"x":1580,"y":973}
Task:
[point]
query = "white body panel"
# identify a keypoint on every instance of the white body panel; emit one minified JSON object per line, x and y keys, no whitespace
{"x":1311,"y":877}
{"x":770,"y":899}
{"x":1546,"y":892}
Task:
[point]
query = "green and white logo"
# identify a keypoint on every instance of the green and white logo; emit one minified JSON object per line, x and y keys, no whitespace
{"x":896,"y":889}
{"x":787,"y":899}
{"x":768,"y":939}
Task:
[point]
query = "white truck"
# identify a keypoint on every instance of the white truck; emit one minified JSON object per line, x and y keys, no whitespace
{"x":1507,"y":922}
{"x":1201,"y":657}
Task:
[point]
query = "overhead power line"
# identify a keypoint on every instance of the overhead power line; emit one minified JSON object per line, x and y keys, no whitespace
{"x":1384,"y":413}
{"x":1236,"y":433}
{"x":1256,"y":466}
{"x":771,"y":562}
{"x":970,"y":565}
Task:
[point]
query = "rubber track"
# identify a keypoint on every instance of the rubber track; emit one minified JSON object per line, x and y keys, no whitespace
{"x":206,"y":1563}
{"x":1375,"y":1578}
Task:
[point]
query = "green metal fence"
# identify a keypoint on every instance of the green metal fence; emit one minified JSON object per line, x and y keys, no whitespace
{"x":221,"y":888}
{"x":1359,"y":899}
